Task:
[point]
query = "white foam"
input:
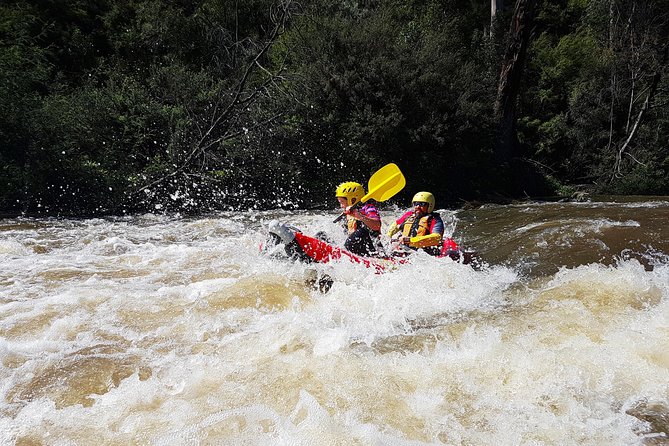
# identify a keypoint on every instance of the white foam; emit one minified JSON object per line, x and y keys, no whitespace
{"x":430,"y":353}
{"x":12,"y":248}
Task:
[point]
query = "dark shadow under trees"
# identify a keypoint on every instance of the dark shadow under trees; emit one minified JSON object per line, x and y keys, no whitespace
{"x":112,"y":107}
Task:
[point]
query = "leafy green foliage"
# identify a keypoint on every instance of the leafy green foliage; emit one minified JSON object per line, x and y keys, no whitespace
{"x":591,"y":69}
{"x":395,"y":82}
{"x":120,"y":106}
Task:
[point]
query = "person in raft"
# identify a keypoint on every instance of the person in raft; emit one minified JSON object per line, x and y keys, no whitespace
{"x":362,"y":224}
{"x":420,"y":228}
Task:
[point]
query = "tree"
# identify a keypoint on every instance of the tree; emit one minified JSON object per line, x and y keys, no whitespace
{"x":510,"y":79}
{"x":223,"y":119}
{"x":496,"y":7}
{"x":638,"y":40}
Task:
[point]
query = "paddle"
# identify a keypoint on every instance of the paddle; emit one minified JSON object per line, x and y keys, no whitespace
{"x":385,"y":183}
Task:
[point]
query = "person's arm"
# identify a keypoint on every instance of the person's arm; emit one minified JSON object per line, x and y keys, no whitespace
{"x":433,"y":238}
{"x":396,"y":226}
{"x":423,"y":241}
{"x":393,"y":229}
{"x":371,"y":220}
{"x":372,"y":223}
{"x":437,"y":226}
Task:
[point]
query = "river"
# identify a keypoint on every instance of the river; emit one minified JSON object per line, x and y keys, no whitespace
{"x":177,"y":331}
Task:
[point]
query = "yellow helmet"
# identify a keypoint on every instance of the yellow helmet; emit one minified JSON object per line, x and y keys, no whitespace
{"x":352,"y":191}
{"x":425,"y":197}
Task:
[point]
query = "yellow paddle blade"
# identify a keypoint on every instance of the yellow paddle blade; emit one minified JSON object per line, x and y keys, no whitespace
{"x":385,"y":183}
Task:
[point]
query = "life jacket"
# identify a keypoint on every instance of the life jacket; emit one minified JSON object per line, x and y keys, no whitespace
{"x":415,"y":228}
{"x":367,"y":242}
{"x":351,"y":224}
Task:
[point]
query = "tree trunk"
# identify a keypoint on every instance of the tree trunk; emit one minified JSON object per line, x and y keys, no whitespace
{"x":652,"y":90}
{"x":495,"y":7}
{"x":509,"y":80}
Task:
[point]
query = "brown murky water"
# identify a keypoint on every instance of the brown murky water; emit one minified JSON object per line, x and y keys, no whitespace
{"x":155,"y":330}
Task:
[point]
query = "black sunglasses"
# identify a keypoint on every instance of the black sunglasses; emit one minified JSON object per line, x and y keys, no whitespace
{"x":420,"y":203}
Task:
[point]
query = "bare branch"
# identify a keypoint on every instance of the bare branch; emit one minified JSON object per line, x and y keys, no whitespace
{"x":227,"y":113}
{"x":646,"y":104}
{"x":276,"y":31}
{"x":635,"y":160}
{"x":243,"y":132}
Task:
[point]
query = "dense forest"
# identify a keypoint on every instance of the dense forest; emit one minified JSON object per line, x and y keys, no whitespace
{"x":117,"y":106}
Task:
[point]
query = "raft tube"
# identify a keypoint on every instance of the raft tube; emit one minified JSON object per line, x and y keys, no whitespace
{"x":311,"y":249}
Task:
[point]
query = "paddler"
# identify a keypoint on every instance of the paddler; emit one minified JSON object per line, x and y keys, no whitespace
{"x":419,"y":228}
{"x":363,"y":223}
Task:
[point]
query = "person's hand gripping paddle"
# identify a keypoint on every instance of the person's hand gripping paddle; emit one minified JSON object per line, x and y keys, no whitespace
{"x":384,"y":184}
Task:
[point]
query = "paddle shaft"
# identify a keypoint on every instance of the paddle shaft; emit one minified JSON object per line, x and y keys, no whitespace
{"x":343,"y":214}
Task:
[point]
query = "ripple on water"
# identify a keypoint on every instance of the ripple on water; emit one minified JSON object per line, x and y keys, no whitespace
{"x":268,"y":293}
{"x":79,"y":376}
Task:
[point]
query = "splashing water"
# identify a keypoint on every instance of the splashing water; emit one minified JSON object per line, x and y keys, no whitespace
{"x":151,"y":330}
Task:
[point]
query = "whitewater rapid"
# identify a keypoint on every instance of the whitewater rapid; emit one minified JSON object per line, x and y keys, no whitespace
{"x":159,"y":330}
